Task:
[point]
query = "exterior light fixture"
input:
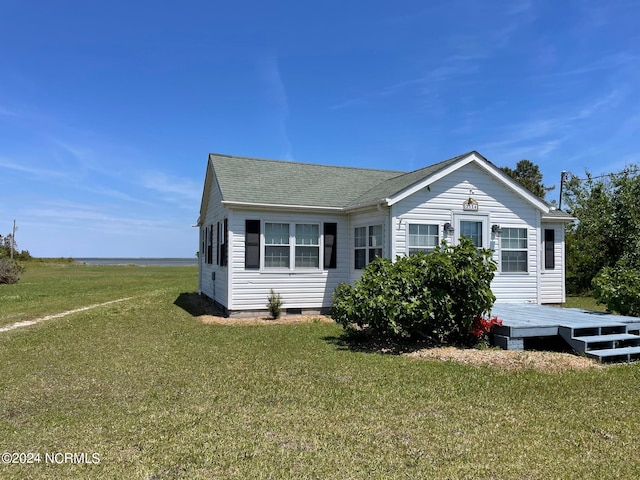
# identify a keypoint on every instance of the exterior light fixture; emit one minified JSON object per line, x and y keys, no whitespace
{"x":448,"y":228}
{"x":495,"y":228}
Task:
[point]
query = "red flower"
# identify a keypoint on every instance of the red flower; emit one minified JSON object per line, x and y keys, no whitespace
{"x":482,"y":325}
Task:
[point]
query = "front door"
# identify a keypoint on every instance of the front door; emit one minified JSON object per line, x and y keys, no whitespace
{"x":473,"y":227}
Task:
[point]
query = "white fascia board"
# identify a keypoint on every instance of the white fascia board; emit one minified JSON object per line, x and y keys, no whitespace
{"x":566,"y":219}
{"x":431,"y":179}
{"x":206,"y":191}
{"x":280,"y":206}
{"x":495,"y":172}
{"x":515,"y":186}
{"x":377,"y":205}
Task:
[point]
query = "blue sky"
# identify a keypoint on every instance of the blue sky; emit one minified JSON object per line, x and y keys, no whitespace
{"x":108,"y":110}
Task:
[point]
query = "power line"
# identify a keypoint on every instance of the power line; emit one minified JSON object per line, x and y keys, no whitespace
{"x":634,"y":171}
{"x":563,"y":177}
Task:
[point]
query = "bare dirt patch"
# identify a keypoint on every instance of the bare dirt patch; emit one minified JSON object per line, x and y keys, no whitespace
{"x":28,"y":323}
{"x":285,"y":319}
{"x":509,"y":360}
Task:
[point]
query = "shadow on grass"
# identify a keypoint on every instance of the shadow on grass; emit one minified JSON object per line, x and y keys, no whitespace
{"x":196,"y":305}
{"x":364,"y":341}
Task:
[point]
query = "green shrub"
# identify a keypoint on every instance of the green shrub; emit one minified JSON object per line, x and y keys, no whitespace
{"x":274,"y":304}
{"x":9,"y":271}
{"x":618,"y":288}
{"x":435,"y":295}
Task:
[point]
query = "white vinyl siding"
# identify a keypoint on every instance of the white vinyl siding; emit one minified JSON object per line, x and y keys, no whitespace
{"x":214,"y":279}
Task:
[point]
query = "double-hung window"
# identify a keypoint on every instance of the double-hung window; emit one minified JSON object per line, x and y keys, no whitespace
{"x":288,"y":245}
{"x":277,"y":249}
{"x":422,"y":238}
{"x":367,"y":242}
{"x":307,"y":245}
{"x":514,"y":250}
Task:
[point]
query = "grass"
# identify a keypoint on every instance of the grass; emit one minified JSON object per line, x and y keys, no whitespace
{"x":586,"y":303}
{"x":160,"y":395}
{"x":49,"y":288}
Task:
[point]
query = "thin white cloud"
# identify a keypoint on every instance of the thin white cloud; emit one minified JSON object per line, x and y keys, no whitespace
{"x":32,"y":170}
{"x":609,"y":100}
{"x":61,"y":212}
{"x":277,"y":96}
{"x":172,"y":188}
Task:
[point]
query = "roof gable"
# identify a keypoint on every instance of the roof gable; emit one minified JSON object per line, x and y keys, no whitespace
{"x":455,"y":163}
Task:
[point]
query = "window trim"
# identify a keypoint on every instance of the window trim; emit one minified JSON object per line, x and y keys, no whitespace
{"x":524,"y":249}
{"x":292,"y":247}
{"x":252,"y":244}
{"x":410,"y":247}
{"x":280,"y":245}
{"x":472,"y":217}
{"x":297,"y":245}
{"x":549,"y":249}
{"x":367,"y":248}
{"x":330,"y":248}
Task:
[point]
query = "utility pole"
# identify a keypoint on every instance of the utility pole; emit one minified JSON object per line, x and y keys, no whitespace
{"x":562,"y":176}
{"x":13,"y":238}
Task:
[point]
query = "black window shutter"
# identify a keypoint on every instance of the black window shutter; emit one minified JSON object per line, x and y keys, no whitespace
{"x":252,"y":244}
{"x":330,"y":250}
{"x":210,"y":244}
{"x":218,"y":262}
{"x":549,"y":249}
{"x":203,"y":238}
{"x":225,"y":248}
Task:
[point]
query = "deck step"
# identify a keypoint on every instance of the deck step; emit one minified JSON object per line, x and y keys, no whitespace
{"x":625,"y":354}
{"x":616,"y":337}
{"x":604,"y":342}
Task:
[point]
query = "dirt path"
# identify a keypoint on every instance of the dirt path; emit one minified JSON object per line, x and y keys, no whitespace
{"x":27,"y":323}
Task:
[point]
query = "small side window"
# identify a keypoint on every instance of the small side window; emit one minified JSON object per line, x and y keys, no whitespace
{"x":252,"y":244}
{"x":549,"y":249}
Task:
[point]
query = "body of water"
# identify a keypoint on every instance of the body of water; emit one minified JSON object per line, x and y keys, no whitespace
{"x":142,"y":262}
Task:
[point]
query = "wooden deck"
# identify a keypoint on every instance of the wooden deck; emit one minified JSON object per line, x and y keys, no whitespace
{"x":520,"y":321}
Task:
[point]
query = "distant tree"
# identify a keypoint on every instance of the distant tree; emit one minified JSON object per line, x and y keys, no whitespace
{"x":528,"y":175}
{"x":6,"y":242}
{"x":607,"y":233}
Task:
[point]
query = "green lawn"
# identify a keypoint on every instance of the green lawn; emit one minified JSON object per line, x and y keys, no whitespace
{"x":586,"y":303}
{"x":157,"y":394}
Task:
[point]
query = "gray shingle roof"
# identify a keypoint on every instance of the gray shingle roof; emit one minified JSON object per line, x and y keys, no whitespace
{"x":275,"y":182}
{"x":555,"y":214}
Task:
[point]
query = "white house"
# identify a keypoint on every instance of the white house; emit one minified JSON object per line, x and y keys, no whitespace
{"x":301,"y":229}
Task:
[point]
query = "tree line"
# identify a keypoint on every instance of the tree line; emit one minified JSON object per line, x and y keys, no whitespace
{"x":10,"y":269}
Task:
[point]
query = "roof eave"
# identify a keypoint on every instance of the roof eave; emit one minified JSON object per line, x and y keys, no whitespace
{"x":232,"y":203}
{"x":435,"y":176}
{"x":558,"y":219}
{"x":482,"y":163}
